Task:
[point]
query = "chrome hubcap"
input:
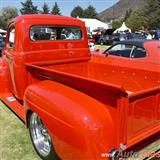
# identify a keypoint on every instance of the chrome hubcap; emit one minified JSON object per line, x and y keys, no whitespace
{"x":40,"y":136}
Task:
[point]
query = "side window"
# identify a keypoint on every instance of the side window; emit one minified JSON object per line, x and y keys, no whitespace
{"x":123,"y":50}
{"x":11,"y":39}
{"x":139,"y":53}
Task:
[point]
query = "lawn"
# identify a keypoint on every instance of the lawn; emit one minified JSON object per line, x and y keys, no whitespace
{"x":15,"y":143}
{"x":102,"y":47}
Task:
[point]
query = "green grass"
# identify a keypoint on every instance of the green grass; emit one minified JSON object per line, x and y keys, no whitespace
{"x":102,"y":47}
{"x":15,"y":143}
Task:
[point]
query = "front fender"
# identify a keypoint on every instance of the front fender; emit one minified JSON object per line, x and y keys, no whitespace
{"x":3,"y":78}
{"x":81,"y":126}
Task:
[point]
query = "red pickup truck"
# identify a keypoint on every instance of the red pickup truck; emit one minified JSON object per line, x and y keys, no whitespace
{"x":76,"y":107}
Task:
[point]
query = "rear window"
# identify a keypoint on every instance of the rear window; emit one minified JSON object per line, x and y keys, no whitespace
{"x":52,"y":33}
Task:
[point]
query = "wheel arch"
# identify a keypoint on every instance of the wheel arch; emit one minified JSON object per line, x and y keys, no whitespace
{"x":28,"y":114}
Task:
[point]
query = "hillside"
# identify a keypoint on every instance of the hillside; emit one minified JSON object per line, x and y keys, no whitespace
{"x":119,"y":10}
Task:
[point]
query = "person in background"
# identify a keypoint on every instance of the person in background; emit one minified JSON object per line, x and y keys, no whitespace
{"x":149,"y":36}
{"x":53,"y":36}
{"x":157,"y":35}
{"x":70,"y":35}
{"x":128,"y":34}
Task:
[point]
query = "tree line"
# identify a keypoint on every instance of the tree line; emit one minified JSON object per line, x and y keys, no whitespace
{"x":146,"y":17}
{"x":28,"y":7}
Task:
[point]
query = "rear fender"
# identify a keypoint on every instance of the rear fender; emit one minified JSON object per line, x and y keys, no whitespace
{"x":81,"y":127}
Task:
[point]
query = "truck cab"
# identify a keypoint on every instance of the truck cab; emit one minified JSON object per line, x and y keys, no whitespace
{"x":27,"y":43}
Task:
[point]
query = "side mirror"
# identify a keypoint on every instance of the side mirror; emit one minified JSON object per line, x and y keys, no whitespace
{"x":106,"y":53}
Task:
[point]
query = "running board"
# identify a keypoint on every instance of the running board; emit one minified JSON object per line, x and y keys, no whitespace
{"x":13,"y":104}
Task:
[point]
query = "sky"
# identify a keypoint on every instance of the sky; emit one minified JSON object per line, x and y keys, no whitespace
{"x":66,"y":6}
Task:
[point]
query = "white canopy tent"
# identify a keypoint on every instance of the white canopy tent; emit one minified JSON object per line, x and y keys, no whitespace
{"x":123,"y":28}
{"x":92,"y":24}
{"x":2,"y":31}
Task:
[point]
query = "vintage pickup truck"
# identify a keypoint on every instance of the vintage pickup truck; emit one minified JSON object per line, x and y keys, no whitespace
{"x":76,"y":107}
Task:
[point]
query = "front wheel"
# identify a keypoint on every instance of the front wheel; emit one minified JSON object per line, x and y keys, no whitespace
{"x":41,"y":139}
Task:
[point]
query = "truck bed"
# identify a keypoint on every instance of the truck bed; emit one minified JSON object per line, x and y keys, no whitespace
{"x":133,"y":93}
{"x":129,"y":80}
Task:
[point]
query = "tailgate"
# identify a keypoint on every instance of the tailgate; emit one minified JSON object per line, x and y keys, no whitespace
{"x":143,"y":118}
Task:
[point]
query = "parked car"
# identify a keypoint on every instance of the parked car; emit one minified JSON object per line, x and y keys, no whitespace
{"x":2,"y":43}
{"x":107,"y":37}
{"x":139,"y":35}
{"x":136,"y":53}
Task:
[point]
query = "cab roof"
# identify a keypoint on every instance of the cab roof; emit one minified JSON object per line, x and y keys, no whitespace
{"x":137,"y":42}
{"x":46,"y":17}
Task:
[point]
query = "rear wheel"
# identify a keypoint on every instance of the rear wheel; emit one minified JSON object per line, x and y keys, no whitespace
{"x":41,"y":139}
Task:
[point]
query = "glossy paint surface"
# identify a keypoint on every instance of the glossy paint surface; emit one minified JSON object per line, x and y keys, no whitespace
{"x":131,"y":80}
{"x":139,"y":88}
{"x":3,"y":78}
{"x":70,"y":116}
{"x":89,"y":104}
{"x":25,"y":50}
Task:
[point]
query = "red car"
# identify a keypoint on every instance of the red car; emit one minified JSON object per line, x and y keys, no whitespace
{"x":137,"y":54}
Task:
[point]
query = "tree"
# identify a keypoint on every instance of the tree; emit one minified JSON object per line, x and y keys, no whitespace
{"x":147,"y":16}
{"x":56,"y":9}
{"x":45,"y":9}
{"x":128,"y":13}
{"x":77,"y":12}
{"x":116,"y":24}
{"x":136,"y":20}
{"x":8,"y":14}
{"x":152,"y":12}
{"x":28,"y":8}
{"x":90,"y":12}
{"x":2,"y":22}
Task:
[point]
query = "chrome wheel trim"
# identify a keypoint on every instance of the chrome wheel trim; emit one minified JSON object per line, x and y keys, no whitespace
{"x":40,"y":136}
